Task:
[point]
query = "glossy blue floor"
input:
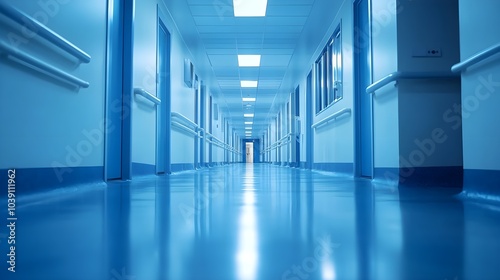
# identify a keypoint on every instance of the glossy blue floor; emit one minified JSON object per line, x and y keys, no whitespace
{"x":253,"y":222}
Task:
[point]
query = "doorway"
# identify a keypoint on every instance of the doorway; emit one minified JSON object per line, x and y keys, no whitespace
{"x":163,"y":118}
{"x":249,"y":152}
{"x":363,"y":101}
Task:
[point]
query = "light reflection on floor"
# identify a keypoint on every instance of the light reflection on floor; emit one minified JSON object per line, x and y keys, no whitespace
{"x":254,"y":222}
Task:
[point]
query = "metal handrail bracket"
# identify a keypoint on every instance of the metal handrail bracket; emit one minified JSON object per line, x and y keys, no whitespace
{"x":332,"y":117}
{"x":478,"y":57}
{"x":43,"y":31}
{"x":42,"y":66}
{"x":144,"y":93}
{"x":395,"y":76}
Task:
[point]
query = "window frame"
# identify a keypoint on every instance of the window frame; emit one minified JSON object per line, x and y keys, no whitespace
{"x":328,"y":69}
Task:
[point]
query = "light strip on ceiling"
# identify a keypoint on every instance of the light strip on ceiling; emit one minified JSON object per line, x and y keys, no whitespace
{"x":249,"y":84}
{"x":250,"y":8}
{"x":248,"y":115}
{"x":249,"y":60}
{"x":248,"y":99}
{"x":248,"y":122}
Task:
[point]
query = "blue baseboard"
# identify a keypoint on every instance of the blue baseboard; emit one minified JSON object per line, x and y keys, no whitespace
{"x":178,"y":167}
{"x":344,"y":168}
{"x":442,"y":176}
{"x":436,"y":176}
{"x":386,"y":175}
{"x":482,"y":183}
{"x":141,"y":169}
{"x":33,"y":180}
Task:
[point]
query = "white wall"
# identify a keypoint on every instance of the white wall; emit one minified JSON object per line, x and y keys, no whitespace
{"x":143,"y":113}
{"x":423,"y":103}
{"x":480,"y":85}
{"x":44,"y":122}
{"x":182,"y":97}
{"x":385,"y":101}
{"x":333,"y":143}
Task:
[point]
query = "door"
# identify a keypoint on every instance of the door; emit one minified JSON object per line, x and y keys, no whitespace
{"x":203,"y":123}
{"x":363,"y":103}
{"x":249,"y":152}
{"x":117,"y":157}
{"x":197,"y":121}
{"x":163,"y":110}
{"x":296,"y":126}
{"x":309,"y":122}
{"x":210,"y":120}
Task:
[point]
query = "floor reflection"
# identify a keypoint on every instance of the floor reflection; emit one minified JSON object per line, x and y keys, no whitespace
{"x":255,"y":222}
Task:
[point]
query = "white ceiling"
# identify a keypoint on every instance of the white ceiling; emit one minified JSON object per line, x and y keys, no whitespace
{"x":279,"y":37}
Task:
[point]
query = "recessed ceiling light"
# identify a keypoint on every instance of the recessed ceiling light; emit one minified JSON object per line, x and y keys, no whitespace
{"x":249,"y":99}
{"x":249,"y":60}
{"x":250,"y":8}
{"x":249,"y":84}
{"x":248,"y":128}
{"x":248,"y":115}
{"x":248,"y":122}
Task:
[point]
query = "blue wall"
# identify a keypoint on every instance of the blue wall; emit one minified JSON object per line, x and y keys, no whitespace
{"x":48,"y":127}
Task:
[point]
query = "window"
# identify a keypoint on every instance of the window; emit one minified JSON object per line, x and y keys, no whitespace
{"x":328,"y":70}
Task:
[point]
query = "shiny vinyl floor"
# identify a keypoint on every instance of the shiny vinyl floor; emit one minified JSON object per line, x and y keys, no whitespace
{"x":253,"y":222}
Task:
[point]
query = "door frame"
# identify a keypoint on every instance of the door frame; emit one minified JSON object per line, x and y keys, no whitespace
{"x":118,"y":112}
{"x":163,"y":110}
{"x":310,"y":109}
{"x":361,"y":91}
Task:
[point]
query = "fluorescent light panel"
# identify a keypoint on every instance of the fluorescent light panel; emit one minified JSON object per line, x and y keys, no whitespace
{"x":249,"y":60}
{"x":248,"y":122}
{"x":248,"y":115}
{"x":249,"y":84}
{"x":250,"y":8}
{"x":249,"y":99}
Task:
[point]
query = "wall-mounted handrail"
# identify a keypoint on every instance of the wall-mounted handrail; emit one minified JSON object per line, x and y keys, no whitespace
{"x":181,"y":120}
{"x":144,"y":93}
{"x":185,"y":128}
{"x":43,"y":31}
{"x":186,"y":120}
{"x":281,"y":142}
{"x":186,"y":124}
{"x":395,"y":76}
{"x":210,"y":138}
{"x":332,"y":117}
{"x":40,"y":65}
{"x":478,"y":57}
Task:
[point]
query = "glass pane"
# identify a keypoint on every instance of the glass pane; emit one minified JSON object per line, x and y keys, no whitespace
{"x":318,"y":86}
{"x":331,"y":75}
{"x":325,"y":79}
